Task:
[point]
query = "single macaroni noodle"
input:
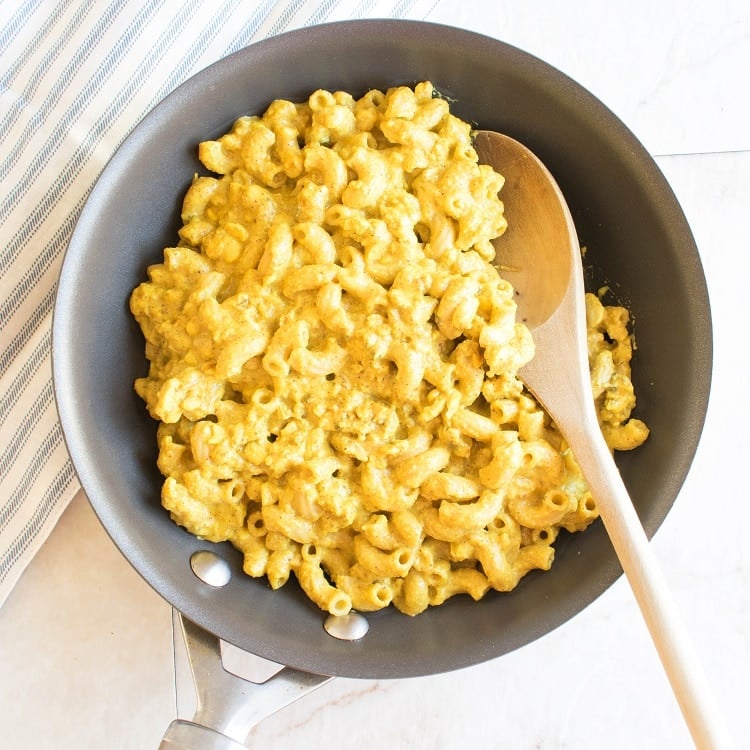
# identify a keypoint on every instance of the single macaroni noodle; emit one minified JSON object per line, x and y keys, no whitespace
{"x":334,"y":358}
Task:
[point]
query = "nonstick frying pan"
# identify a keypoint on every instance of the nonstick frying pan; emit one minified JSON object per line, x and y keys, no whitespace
{"x":637,"y":240}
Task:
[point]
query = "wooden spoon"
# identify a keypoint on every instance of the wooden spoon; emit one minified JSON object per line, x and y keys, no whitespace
{"x":540,"y":255}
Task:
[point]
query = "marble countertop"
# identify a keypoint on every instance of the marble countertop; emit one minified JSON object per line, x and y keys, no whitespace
{"x":87,"y":655}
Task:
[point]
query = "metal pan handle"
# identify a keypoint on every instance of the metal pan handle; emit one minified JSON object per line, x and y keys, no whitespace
{"x":228,"y":706}
{"x":186,"y":735}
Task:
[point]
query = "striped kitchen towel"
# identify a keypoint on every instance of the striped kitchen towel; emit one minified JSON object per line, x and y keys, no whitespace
{"x":75,"y":77}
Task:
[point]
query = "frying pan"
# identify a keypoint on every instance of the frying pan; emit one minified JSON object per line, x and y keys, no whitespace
{"x":637,"y":241}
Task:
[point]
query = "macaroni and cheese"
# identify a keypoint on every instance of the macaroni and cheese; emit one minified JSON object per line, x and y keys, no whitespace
{"x":334,"y":357}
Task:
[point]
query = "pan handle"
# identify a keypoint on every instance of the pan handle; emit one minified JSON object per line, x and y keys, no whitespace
{"x":228,"y":706}
{"x":186,"y":735}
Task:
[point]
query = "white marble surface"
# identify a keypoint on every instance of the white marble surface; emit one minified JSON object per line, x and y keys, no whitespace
{"x":86,"y":649}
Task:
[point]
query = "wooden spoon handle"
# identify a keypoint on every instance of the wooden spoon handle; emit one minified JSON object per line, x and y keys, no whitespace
{"x":652,"y":595}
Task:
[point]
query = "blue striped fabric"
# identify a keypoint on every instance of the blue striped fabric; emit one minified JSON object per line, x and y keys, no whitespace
{"x":75,"y":78}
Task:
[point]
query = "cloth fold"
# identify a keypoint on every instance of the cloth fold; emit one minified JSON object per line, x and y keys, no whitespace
{"x":75,"y":77}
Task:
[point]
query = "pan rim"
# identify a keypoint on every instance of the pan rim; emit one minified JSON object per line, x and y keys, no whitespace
{"x":347,"y":661}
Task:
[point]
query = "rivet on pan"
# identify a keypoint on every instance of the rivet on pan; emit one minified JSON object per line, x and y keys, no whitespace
{"x":349,"y":627}
{"x":210,"y":568}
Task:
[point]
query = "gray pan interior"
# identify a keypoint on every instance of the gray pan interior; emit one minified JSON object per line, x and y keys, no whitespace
{"x":626,"y":215}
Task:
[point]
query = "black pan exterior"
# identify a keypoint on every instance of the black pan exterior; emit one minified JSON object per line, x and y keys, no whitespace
{"x":626,"y":215}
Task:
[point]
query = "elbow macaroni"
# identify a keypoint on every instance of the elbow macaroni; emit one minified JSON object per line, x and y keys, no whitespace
{"x":333,"y":361}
